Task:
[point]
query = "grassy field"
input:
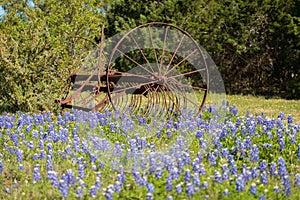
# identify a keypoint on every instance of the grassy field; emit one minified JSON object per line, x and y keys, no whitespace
{"x":271,"y":107}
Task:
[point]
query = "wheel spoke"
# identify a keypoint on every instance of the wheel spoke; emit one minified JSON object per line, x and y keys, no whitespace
{"x":135,"y":62}
{"x":141,"y":51}
{"x":175,"y":52}
{"x":184,"y":59}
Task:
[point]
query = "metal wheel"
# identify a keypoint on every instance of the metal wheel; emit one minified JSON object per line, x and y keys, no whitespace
{"x":162,"y":71}
{"x":87,"y":85}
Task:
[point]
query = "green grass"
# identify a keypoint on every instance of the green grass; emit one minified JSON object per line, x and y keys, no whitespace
{"x":271,"y":107}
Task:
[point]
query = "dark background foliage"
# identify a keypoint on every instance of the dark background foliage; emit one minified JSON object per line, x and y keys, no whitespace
{"x":255,"y":44}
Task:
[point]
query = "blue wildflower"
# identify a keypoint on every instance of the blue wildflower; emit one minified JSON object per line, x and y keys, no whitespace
{"x":79,"y":192}
{"x":253,"y":188}
{"x":297,"y":180}
{"x":226,"y":192}
{"x":150,"y":187}
{"x":263,"y":166}
{"x":149,"y":196}
{"x":239,"y":184}
{"x":1,"y":167}
{"x":178,"y":188}
{"x":93,"y":191}
{"x":190,"y":190}
{"x":286,"y":186}
{"x":109,"y":193}
{"x":187,"y":176}
{"x":273,"y":171}
{"x":264,"y":178}
{"x":63,"y":188}
{"x":254,"y":173}
{"x":276,"y":189}
{"x":254,"y":154}
{"x":261,"y":197}
{"x":52,"y":176}
{"x":36,"y":173}
{"x":204,"y":185}
{"x":217,"y":177}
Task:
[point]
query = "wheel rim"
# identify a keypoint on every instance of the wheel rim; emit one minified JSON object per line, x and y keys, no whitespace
{"x":163,"y":61}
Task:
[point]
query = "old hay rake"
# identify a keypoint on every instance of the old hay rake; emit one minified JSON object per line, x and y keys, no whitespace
{"x":155,"y":68}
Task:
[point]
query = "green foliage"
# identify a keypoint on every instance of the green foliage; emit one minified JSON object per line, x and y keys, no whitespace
{"x":34,"y":44}
{"x":254,"y":43}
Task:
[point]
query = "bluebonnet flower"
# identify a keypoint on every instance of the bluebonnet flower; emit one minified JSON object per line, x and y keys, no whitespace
{"x":202,"y":170}
{"x":263,"y":166}
{"x":187,"y":176}
{"x":169,"y":183}
{"x":19,"y":154}
{"x":298,"y":151}
{"x":292,"y":140}
{"x":52,"y":176}
{"x":49,"y":163}
{"x":276,"y":189}
{"x":149,"y":196}
{"x":81,"y":171}
{"x":109,"y":193}
{"x":36,"y":173}
{"x":233,"y":169}
{"x":158,"y":173}
{"x":63,"y":188}
{"x":225,"y":172}
{"x":273,"y":171}
{"x":270,"y":135}
{"x":253,"y":188}
{"x":239,"y":184}
{"x":264,"y":178}
{"x":30,"y":145}
{"x":248,"y":143}
{"x":254,"y":154}
{"x":35,"y":134}
{"x":42,"y":154}
{"x":8,"y":191}
{"x":254,"y":173}
{"x":35,"y":156}
{"x":14,"y":138}
{"x":93,"y":191}
{"x":79,"y":192}
{"x":286,"y":185}
{"x":204,"y":185}
{"x":150,"y":187}
{"x":98,"y":183}
{"x":20,"y":167}
{"x":297,"y":180}
{"x":281,"y":116}
{"x":94,"y":167}
{"x":212,"y":159}
{"x":224,"y":152}
{"x":190,"y":190}
{"x":217,"y":177}
{"x":178,"y":188}
{"x":69,"y":177}
{"x":180,"y":163}
{"x":267,"y":146}
{"x":261,"y":197}
{"x":290,"y":119}
{"x":281,"y":143}
{"x":196,"y":180}
{"x":1,"y":167}
{"x":226,"y":192}
{"x":282,"y":167}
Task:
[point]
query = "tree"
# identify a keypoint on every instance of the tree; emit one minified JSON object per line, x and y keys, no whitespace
{"x":34,"y":39}
{"x":255,"y":44}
